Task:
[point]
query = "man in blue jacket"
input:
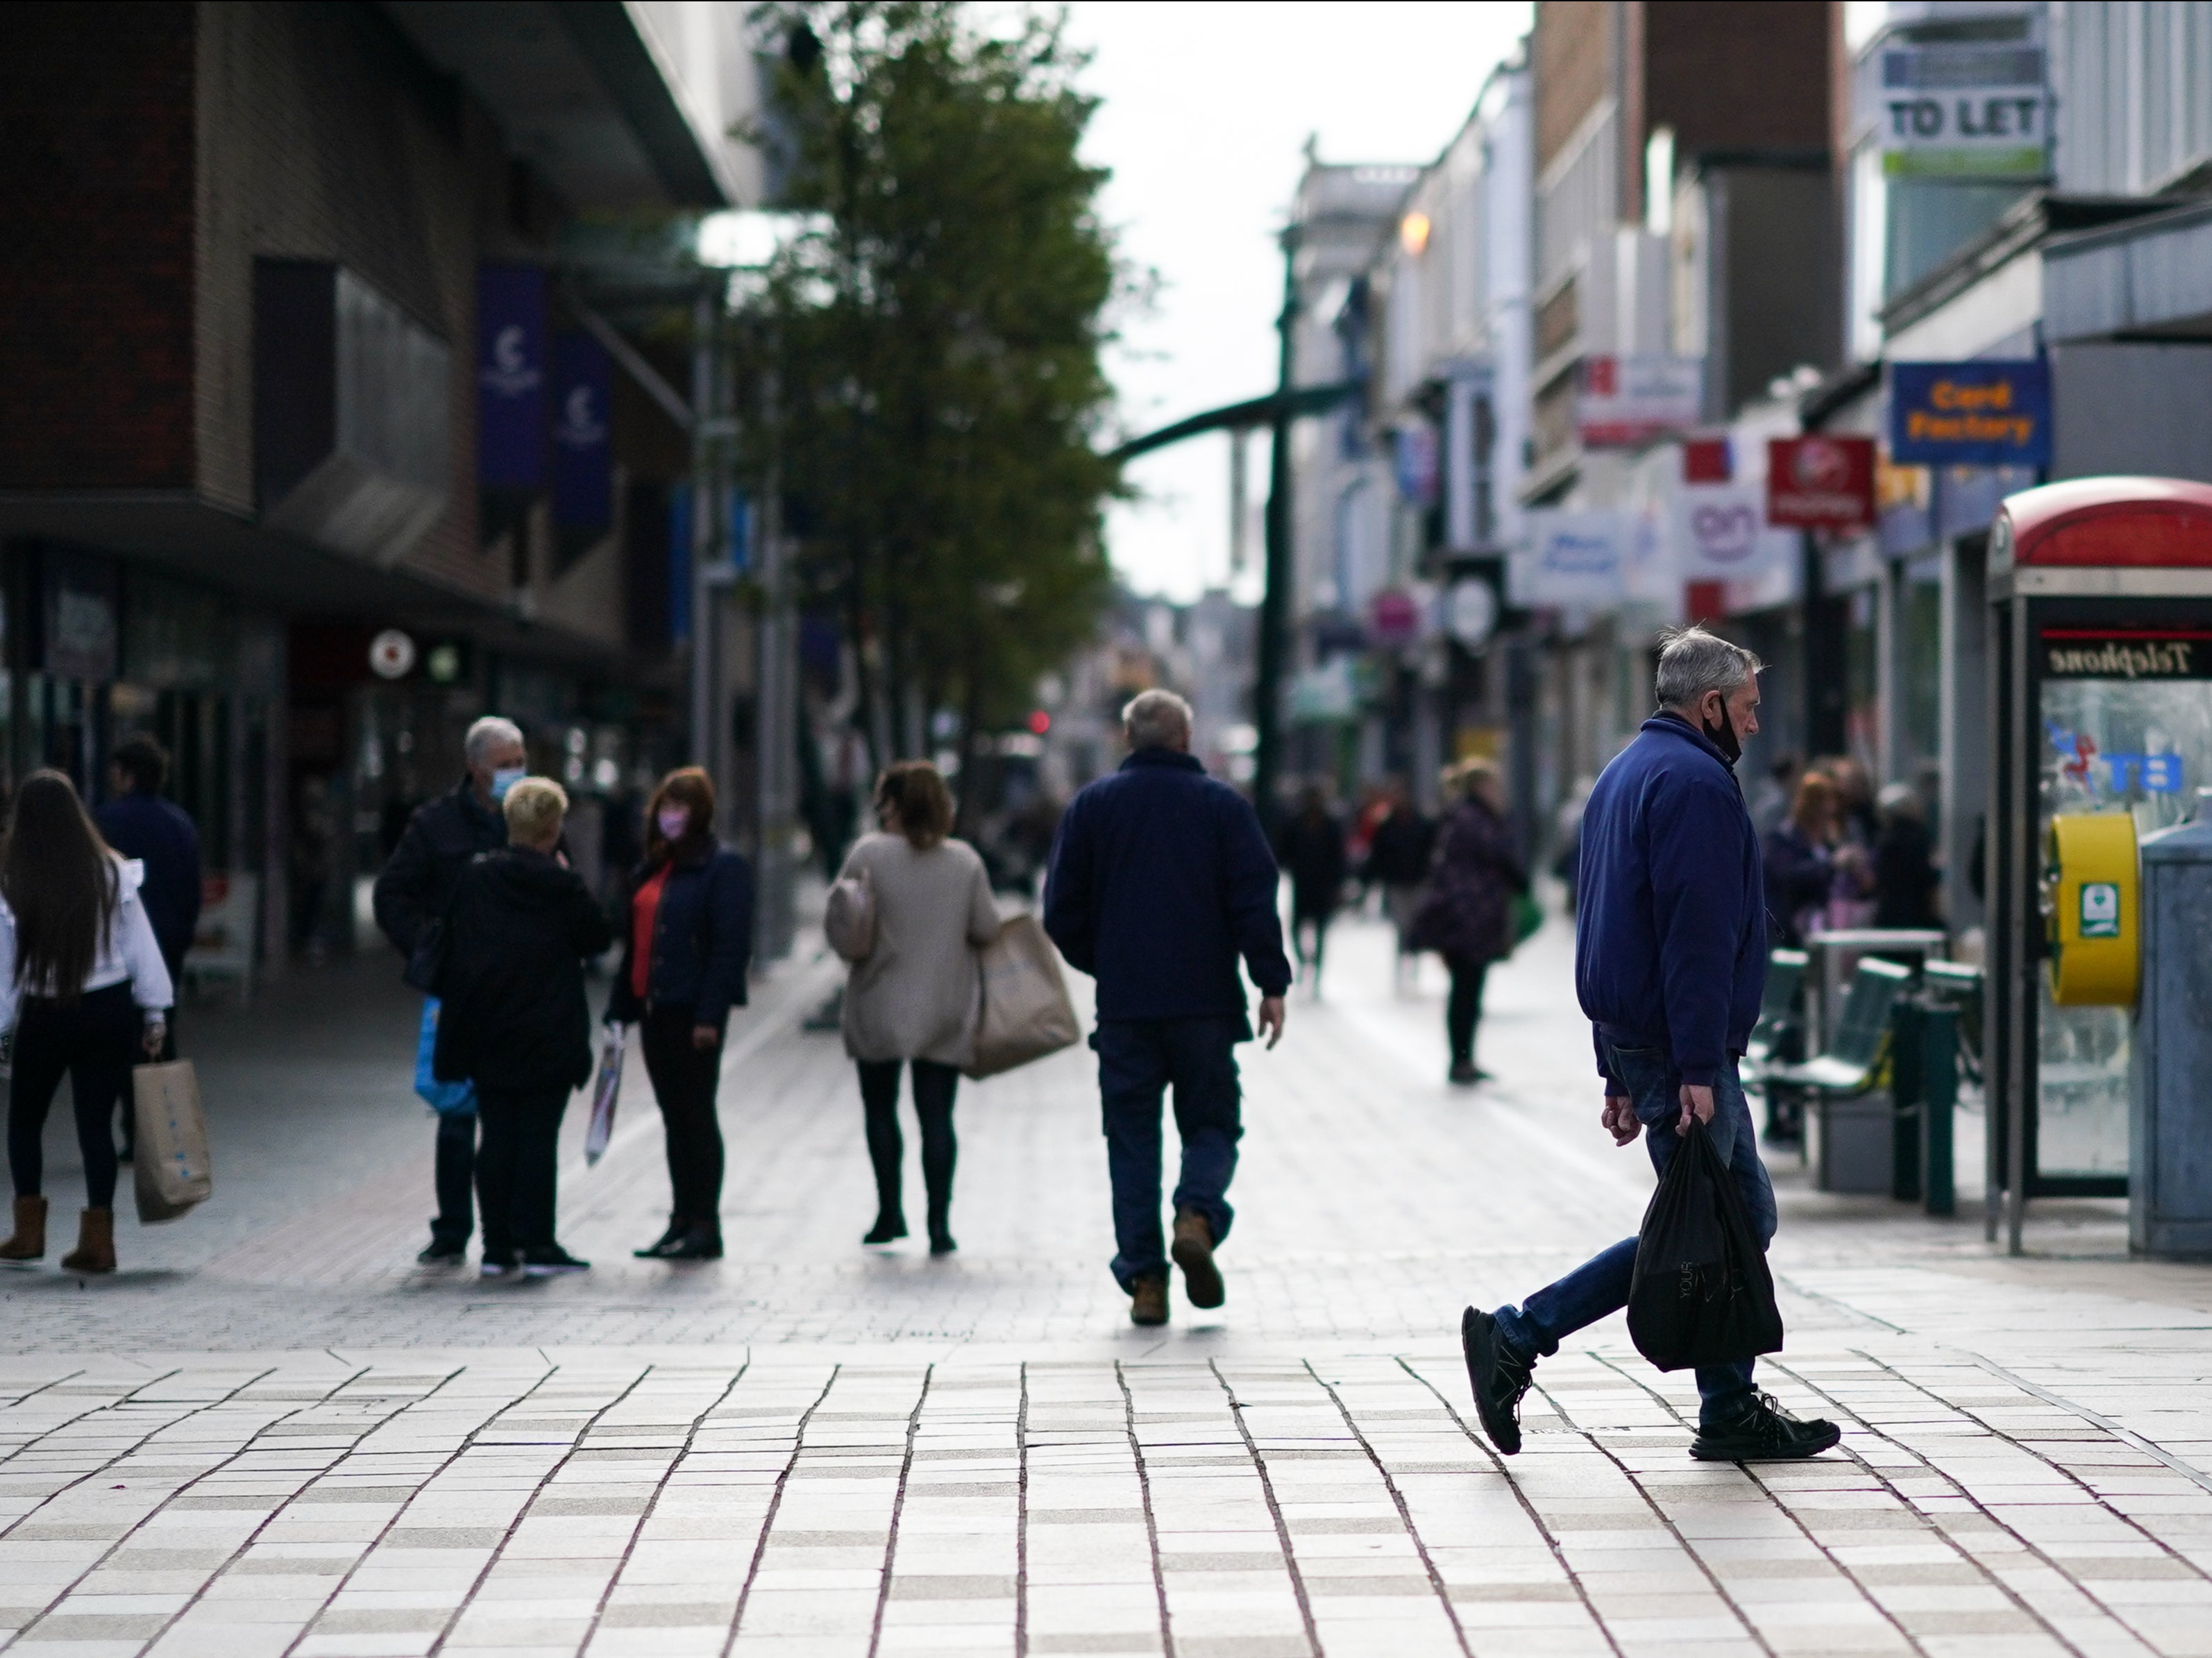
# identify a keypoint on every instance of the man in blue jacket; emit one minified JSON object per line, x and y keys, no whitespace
{"x":1159,"y":879}
{"x":1670,"y":958}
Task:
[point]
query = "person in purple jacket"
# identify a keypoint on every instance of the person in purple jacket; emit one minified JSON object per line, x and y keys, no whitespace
{"x":1670,"y":960}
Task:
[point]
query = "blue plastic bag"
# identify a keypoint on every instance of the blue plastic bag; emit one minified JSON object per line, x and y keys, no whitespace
{"x":447,"y":1099}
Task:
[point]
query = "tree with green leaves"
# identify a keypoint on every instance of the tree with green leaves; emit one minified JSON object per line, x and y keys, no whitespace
{"x":927,"y":347}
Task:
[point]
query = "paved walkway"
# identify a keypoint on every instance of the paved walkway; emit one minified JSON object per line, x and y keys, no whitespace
{"x":270,"y":1434}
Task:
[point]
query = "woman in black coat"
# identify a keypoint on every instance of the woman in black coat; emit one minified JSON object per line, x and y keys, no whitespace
{"x":1468,"y":916}
{"x":687,"y":941}
{"x":514,"y":1020}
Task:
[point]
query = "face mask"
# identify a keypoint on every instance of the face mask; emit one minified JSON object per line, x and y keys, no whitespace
{"x":673,"y":824}
{"x":1725,"y":738}
{"x":504,"y":779}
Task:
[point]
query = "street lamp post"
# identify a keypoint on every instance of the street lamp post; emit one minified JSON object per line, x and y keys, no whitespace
{"x":1275,"y":599}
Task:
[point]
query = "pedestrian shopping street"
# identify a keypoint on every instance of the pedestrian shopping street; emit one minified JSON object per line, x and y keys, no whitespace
{"x":269,"y":1433}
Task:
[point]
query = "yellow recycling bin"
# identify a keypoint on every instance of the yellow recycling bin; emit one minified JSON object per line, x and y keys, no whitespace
{"x":2091,"y":908}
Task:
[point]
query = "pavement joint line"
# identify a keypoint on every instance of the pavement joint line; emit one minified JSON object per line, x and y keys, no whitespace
{"x":1865,"y":1590}
{"x":1405,"y":1510}
{"x":200,"y":1593}
{"x":136,"y":1526}
{"x":1481,"y":1443}
{"x":1704,"y":1568}
{"x":898,"y":1510}
{"x":2027,"y":1543}
{"x":499,"y":1549}
{"x":660,"y":1486}
{"x":346,"y":1577}
{"x":1145,"y":1495}
{"x":2195,"y":1475}
{"x":1022,"y":1517}
{"x":1840,"y":1305}
{"x":1275,"y":1509}
{"x":31,"y":1444}
{"x":774,"y":1502}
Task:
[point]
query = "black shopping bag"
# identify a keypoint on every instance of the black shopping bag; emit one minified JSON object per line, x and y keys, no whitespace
{"x":1702,"y":1294}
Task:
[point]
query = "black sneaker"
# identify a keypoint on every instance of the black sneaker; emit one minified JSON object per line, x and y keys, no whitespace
{"x":442,"y":1253}
{"x":1500,"y":1376}
{"x":545,"y":1262}
{"x":1765,"y":1433}
{"x":499,"y":1263}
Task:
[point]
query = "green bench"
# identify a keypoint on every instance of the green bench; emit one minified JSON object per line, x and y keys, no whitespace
{"x":1854,"y":1065}
{"x":1778,"y":1039}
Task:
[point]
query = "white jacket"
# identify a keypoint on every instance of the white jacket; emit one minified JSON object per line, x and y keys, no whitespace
{"x":128,"y":951}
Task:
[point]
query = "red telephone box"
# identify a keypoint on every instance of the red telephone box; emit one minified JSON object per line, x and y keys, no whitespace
{"x":2101,"y":689}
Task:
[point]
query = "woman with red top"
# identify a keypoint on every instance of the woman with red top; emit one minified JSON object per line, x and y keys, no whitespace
{"x":686,"y":942}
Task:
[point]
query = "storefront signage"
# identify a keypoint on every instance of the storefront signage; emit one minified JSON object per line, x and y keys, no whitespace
{"x":391,"y":654}
{"x":1393,"y":618}
{"x":583,"y":448}
{"x":1820,"y":482}
{"x":81,"y":632}
{"x":1471,"y":611}
{"x":1964,"y":111}
{"x":511,"y":376}
{"x":1416,"y":464}
{"x":2136,"y":653}
{"x":1622,"y":403}
{"x":1721,"y":533}
{"x":1576,"y":558}
{"x":1970,"y":414}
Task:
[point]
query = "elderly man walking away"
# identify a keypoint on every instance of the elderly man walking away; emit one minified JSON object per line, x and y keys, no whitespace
{"x":416,"y":887}
{"x":1670,"y":958}
{"x":1159,"y":879}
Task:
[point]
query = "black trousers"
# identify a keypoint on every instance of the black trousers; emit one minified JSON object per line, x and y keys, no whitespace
{"x":934,"y":1085}
{"x":1463,"y":1007}
{"x":684,"y":1079}
{"x":517,"y":1166}
{"x":456,"y":1177}
{"x":93,"y":1041}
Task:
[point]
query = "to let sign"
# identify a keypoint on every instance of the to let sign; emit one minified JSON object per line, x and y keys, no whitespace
{"x":1963,"y":110}
{"x":1820,"y":482}
{"x":1970,"y":414}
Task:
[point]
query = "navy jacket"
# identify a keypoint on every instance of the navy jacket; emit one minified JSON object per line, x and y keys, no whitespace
{"x":418,"y":882}
{"x":158,"y":833}
{"x":1160,"y":878}
{"x":1670,"y":923}
{"x":517,"y":931}
{"x":702,"y":939}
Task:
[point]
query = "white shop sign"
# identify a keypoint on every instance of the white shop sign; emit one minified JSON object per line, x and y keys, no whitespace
{"x":1721,"y":533}
{"x":1572,"y":558}
{"x":1965,"y":111}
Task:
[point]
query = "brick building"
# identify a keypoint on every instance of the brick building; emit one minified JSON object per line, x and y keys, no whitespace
{"x":309,"y":343}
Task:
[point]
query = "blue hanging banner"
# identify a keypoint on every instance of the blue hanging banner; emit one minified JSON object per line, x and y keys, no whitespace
{"x":1978,"y":413}
{"x":511,"y":376}
{"x":583,"y":446}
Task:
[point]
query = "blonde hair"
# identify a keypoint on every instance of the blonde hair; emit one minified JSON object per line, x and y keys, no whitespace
{"x":534,"y":809}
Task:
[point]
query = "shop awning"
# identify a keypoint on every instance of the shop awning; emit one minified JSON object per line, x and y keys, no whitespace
{"x":2150,"y":279}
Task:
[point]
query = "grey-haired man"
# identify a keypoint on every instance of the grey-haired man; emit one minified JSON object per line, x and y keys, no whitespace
{"x":1671,"y":959}
{"x":417,"y":883}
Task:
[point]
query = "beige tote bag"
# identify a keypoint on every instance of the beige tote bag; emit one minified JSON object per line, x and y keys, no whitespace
{"x":170,"y":1171}
{"x":1026,"y":1011}
{"x":849,"y":922}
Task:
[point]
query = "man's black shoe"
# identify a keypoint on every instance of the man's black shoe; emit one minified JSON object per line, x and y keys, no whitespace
{"x":545,"y":1261}
{"x":442,"y":1253}
{"x":1498,"y":1376}
{"x":1765,"y":1433}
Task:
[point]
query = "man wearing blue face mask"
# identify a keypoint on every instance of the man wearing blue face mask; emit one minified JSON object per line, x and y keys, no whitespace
{"x":413,"y":891}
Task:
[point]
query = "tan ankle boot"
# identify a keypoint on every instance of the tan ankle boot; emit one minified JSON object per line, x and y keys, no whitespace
{"x":95,"y":1243}
{"x":1148,"y":1300}
{"x":29,"y":1242}
{"x":1192,"y":1251}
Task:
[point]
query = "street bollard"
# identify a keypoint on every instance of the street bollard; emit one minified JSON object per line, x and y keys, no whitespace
{"x":1939,"y":1097}
{"x":1908,"y":1097}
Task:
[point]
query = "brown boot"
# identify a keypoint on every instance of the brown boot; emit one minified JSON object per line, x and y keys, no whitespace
{"x":1148,"y":1300}
{"x":95,"y":1243}
{"x":29,"y":1242}
{"x":1192,"y":1251}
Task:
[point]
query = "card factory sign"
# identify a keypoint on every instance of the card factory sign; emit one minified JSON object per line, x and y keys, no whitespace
{"x":1980,"y":413}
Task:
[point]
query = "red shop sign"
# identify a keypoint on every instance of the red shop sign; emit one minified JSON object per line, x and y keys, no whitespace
{"x":1820,"y":482}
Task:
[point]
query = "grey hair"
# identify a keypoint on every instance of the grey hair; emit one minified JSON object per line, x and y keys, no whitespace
{"x":1154,"y":720}
{"x":1692,"y":662}
{"x":485,"y":733}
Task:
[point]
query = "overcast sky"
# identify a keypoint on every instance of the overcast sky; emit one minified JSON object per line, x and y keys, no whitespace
{"x":1206,"y":110}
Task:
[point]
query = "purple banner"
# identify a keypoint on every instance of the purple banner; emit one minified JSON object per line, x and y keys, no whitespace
{"x":511,"y":376}
{"x":583,"y":450}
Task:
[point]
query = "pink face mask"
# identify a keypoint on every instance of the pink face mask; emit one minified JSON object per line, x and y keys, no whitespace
{"x":673,"y":824}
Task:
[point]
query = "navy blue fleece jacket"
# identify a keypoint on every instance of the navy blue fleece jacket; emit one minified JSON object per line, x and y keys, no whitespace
{"x":1670,"y":923}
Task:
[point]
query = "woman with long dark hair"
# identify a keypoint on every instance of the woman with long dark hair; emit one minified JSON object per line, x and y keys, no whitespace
{"x":687,"y":942}
{"x":912,"y":999}
{"x":84,"y":985}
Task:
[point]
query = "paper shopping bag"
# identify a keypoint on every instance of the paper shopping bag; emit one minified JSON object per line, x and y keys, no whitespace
{"x":604,"y":1092}
{"x":1026,"y":1011}
{"x":170,"y":1170}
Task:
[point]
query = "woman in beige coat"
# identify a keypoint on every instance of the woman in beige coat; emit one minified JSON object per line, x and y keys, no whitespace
{"x":916,"y":994}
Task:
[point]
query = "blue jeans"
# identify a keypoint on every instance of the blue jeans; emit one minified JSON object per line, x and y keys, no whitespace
{"x":1138,"y":1059}
{"x":1599,"y":1285}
